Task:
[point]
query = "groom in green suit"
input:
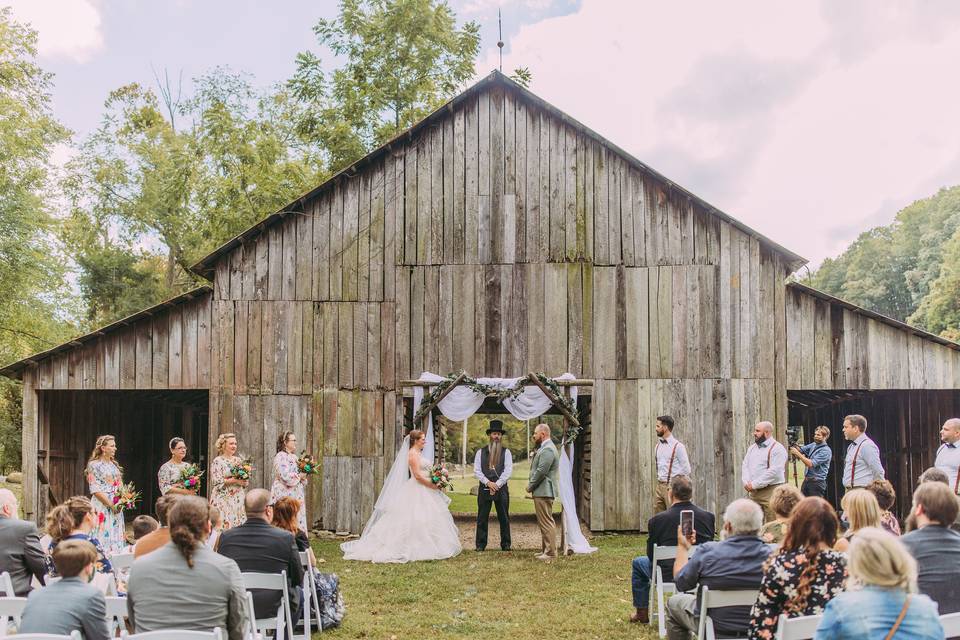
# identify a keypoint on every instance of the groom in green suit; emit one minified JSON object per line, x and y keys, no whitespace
{"x":544,"y":484}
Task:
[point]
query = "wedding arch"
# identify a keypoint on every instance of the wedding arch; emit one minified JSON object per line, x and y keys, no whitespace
{"x":459,"y":396}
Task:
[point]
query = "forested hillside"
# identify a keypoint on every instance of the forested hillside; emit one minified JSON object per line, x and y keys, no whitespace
{"x":908,"y":270}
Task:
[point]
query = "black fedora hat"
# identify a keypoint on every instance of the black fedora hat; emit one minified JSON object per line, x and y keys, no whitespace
{"x":495,"y":425}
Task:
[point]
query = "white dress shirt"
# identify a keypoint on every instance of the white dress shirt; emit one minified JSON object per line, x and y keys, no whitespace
{"x":667,"y":449}
{"x":507,"y":468}
{"x":948,"y":461}
{"x":765,"y":464}
{"x":868,"y":466}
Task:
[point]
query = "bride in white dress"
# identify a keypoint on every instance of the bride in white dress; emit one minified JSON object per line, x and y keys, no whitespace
{"x":411,"y":520}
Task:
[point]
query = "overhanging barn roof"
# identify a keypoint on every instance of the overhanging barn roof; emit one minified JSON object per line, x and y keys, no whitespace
{"x":926,"y":335}
{"x":15,"y":369}
{"x":205,"y":267}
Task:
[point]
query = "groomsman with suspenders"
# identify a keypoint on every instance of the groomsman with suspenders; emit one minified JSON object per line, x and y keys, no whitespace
{"x":672,"y":460}
{"x":764,"y":467}
{"x":861,"y":466}
{"x":948,"y":455}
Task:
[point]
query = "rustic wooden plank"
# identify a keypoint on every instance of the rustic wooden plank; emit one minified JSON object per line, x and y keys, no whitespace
{"x":573,"y":248}
{"x":745,"y":345}
{"x":621,"y":324}
{"x":604,"y":319}
{"x":190,"y":330}
{"x":221,"y":280}
{"x":351,"y":238}
{"x":435,"y":205}
{"x":794,"y":327}
{"x":299,"y":354}
{"x":416,"y":320}
{"x":574,"y":300}
{"x":497,"y":187}
{"x":508,"y":232}
{"x":236,"y":273}
{"x":611,"y":474}
{"x":558,"y":224}
{"x":492,"y":319}
{"x":445,"y":319}
{"x":543,"y":185}
{"x":520,"y":179}
{"x":240,"y":346}
{"x":587,"y":280}
{"x":471,"y":165}
{"x":268,"y":347}
{"x":288,"y":228}
{"x":637,"y":323}
{"x":516,"y":348}
{"x":725,"y":297}
{"x":303,"y":274}
{"x":204,"y":338}
{"x":506,"y":315}
{"x":665,"y":321}
{"x":253,"y":333}
{"x":175,"y":351}
{"x":693,"y":340}
{"x":402,"y":332}
{"x":555,"y":318}
{"x":598,"y":461}
{"x":462,"y":321}
{"x":161,"y":344}
{"x":780,"y":339}
{"x":755,"y":311}
{"x":359,"y":359}
{"x":320,"y":248}
{"x":615,"y":228}
{"x":536,"y":347}
{"x":532,"y":187}
{"x":680,"y":320}
{"x":484,"y":230}
{"x":458,"y":187}
{"x":282,"y":336}
{"x":144,"y":347}
{"x":628,"y":449}
{"x":601,"y":239}
{"x":336,"y":240}
{"x":363,"y":236}
{"x":344,"y":344}
{"x":391,"y":218}
{"x":411,"y":201}
{"x":589,"y":204}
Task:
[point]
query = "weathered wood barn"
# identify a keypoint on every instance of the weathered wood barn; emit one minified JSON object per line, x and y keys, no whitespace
{"x":498,"y":236}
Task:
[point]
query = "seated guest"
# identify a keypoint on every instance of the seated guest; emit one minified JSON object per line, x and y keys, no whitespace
{"x":785,"y":497}
{"x":259,"y":547}
{"x":862,"y":511}
{"x":160,"y":536}
{"x":662,"y":531}
{"x":20,"y":553}
{"x":886,"y":604}
{"x":74,"y":519}
{"x":70,"y":604}
{"x":934,"y":474}
{"x":805,"y":574}
{"x":883,"y":491}
{"x":935,"y":546}
{"x":184,"y":584}
{"x":216,"y":519}
{"x":142,"y":525}
{"x":734,"y":563}
{"x":286,"y":512}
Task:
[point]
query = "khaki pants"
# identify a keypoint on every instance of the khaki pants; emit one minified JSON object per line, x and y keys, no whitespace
{"x":660,"y":500}
{"x":548,"y":528}
{"x":762,"y":498}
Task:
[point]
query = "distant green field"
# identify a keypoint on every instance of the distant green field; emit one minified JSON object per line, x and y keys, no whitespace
{"x":463,"y":502}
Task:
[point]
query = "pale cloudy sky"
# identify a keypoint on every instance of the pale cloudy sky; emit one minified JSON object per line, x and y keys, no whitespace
{"x":808,"y":121}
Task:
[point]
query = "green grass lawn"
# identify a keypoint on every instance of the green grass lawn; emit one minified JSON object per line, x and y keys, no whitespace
{"x":462,"y":502}
{"x":491,"y":595}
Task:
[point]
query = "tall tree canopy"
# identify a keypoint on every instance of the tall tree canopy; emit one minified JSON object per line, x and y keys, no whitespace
{"x":403,"y":58}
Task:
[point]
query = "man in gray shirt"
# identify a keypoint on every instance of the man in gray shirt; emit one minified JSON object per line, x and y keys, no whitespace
{"x":166,"y":592}
{"x":20,"y":552}
{"x":935,"y":546}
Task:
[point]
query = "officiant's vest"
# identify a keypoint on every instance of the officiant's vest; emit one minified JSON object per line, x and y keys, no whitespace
{"x":491,"y":474}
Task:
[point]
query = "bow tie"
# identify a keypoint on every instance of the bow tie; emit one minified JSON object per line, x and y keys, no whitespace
{"x":665,"y":442}
{"x":950,"y":446}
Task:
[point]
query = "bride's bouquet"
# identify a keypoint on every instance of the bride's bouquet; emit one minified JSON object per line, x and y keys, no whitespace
{"x":126,"y":497}
{"x":242,"y":469}
{"x":440,"y":477}
{"x":307,"y":464}
{"x":190,"y":477}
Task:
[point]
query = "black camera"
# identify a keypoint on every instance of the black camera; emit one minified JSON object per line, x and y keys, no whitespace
{"x":793,"y":435}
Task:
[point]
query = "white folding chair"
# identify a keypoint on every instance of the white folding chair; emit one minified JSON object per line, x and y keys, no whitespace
{"x":6,"y":584}
{"x":116,"y":614}
{"x":174,"y":634}
{"x":121,"y":561}
{"x":716,"y":599}
{"x":74,"y":635}
{"x":272,"y":582}
{"x":659,"y":588}
{"x":802,"y":628}
{"x":252,"y":632}
{"x":951,"y":624}
{"x":311,"y":603}
{"x":10,"y":609}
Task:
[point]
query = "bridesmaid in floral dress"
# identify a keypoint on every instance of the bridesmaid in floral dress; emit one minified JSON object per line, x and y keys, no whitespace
{"x":169,"y":474}
{"x":288,"y":482}
{"x":105,"y":477}
{"x":226,"y":492}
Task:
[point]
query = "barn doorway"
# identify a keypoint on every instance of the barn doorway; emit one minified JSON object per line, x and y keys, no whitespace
{"x":905,"y":424}
{"x":143,"y":423}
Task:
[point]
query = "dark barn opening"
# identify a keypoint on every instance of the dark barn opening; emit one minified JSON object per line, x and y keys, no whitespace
{"x":905,"y":424}
{"x":143,"y":423}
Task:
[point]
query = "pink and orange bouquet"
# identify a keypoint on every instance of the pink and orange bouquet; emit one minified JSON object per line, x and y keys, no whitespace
{"x":307,"y":464}
{"x":243,"y":469}
{"x":440,"y":477}
{"x":190,"y":477}
{"x":126,"y":497}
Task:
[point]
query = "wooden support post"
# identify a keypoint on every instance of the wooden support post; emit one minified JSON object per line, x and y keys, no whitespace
{"x":555,"y":400}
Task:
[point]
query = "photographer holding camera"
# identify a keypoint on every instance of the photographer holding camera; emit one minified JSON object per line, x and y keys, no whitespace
{"x":816,"y":456}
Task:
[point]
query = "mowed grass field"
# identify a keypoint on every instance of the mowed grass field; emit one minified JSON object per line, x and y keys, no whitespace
{"x":491,"y":595}
{"x":461,"y":501}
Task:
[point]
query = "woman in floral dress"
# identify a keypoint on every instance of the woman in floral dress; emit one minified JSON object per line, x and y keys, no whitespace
{"x":288,"y":482}
{"x":105,"y":477}
{"x":169,"y":474}
{"x":226,"y":492}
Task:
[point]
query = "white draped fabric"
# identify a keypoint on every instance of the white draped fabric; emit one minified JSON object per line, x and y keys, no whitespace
{"x":462,"y":402}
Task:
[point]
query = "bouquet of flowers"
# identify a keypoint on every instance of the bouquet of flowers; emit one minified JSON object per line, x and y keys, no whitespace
{"x":306,"y":464}
{"x":440,"y":476}
{"x":190,"y":477}
{"x":126,"y":497}
{"x":243,"y":469}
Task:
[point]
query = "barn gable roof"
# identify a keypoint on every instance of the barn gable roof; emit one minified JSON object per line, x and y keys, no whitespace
{"x":15,"y":369}
{"x":206,"y":266}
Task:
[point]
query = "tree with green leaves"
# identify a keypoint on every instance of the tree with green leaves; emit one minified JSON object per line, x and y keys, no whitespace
{"x":403,"y":59}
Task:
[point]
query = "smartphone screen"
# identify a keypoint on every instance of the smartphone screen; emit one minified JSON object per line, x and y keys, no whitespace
{"x":686,"y":522}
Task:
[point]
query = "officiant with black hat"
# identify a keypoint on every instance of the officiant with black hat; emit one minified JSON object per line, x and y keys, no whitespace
{"x":492,"y":466}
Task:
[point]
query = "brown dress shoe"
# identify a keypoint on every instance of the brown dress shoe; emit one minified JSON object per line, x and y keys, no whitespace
{"x":640,"y":616}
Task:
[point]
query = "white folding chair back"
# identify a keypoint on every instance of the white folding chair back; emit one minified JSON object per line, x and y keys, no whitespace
{"x":174,"y":634}
{"x":311,"y":604}
{"x":252,"y":632}
{"x":715,"y":599}
{"x":801,"y":628}
{"x":121,"y":561}
{"x":74,"y":635}
{"x":272,"y":582}
{"x":6,"y":584}
{"x":116,"y":614}
{"x":10,"y":608}
{"x":659,"y":588}
{"x":951,"y":624}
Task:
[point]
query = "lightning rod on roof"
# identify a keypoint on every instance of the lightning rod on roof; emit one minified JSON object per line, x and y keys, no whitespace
{"x":500,"y":41}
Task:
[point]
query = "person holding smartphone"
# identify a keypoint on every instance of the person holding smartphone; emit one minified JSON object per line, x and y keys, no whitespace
{"x":816,"y":457}
{"x":662,"y":530}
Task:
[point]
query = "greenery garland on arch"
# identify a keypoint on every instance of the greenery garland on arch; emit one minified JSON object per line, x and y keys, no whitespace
{"x":500,"y":394}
